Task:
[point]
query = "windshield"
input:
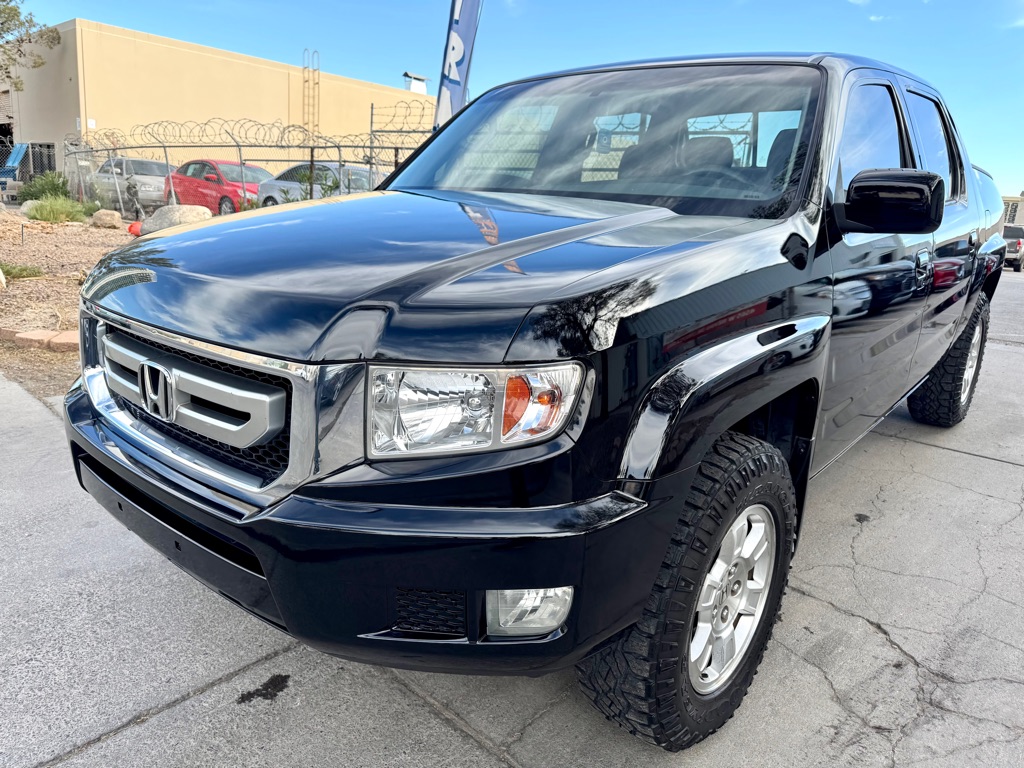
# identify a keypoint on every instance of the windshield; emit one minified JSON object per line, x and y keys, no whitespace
{"x":151,"y":168}
{"x":253,"y":174}
{"x":726,"y":140}
{"x":1013,"y":233}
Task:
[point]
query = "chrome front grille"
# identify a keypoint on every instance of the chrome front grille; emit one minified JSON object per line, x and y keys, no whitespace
{"x":250,"y":426}
{"x":232,"y":409}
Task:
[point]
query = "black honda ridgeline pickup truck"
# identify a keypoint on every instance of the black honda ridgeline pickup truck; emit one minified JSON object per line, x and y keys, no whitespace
{"x":551,"y":395}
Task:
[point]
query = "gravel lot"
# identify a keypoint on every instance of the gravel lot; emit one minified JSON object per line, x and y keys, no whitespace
{"x":65,"y":252}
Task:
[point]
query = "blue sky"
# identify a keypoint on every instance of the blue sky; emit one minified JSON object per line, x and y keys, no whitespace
{"x":971,"y":50}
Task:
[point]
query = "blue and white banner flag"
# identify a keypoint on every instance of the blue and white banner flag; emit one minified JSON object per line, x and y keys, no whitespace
{"x":458,"y":54}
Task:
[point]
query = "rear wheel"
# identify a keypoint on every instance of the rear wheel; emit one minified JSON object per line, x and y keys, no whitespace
{"x":226,"y":206}
{"x":680,"y":673}
{"x":1018,"y":264}
{"x":945,"y":397}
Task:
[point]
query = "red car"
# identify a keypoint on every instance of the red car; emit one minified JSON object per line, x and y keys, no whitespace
{"x":214,"y":184}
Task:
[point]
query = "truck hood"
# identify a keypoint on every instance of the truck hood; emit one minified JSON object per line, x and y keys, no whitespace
{"x":385,"y":275}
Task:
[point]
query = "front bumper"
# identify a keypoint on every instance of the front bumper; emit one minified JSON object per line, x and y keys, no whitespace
{"x":338,"y":575}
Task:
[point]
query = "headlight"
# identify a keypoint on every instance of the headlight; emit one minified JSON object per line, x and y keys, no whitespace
{"x":415,"y":411}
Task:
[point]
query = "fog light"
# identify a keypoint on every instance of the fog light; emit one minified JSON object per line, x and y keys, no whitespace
{"x":517,"y":612}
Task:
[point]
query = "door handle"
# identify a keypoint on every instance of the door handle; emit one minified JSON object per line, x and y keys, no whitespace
{"x":923,"y":268}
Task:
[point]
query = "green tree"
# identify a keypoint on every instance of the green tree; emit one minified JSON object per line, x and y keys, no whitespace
{"x":21,"y":37}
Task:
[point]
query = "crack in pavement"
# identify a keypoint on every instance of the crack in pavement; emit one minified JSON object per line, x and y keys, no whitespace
{"x":147,"y":714}
{"x":901,"y":436}
{"x":929,"y":682}
{"x":454,"y":719}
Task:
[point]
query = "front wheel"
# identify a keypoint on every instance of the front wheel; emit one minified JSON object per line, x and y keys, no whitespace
{"x":678,"y":674}
{"x":946,"y":395}
{"x":269,"y":201}
{"x":226,"y":206}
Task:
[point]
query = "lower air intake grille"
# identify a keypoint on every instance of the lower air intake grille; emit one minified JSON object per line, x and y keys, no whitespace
{"x":430,"y":612}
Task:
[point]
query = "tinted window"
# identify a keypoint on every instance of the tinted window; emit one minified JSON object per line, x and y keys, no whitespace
{"x":253,"y":175}
{"x":150,"y":168}
{"x":292,"y":174}
{"x":1013,"y":233}
{"x":935,"y":143}
{"x":195,"y":170}
{"x":678,"y":137}
{"x":105,"y":168}
{"x":871,"y":133}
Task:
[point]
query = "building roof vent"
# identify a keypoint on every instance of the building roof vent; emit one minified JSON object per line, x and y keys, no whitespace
{"x":415,"y":83}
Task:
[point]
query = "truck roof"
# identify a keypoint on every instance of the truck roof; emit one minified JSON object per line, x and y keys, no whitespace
{"x":840,"y":62}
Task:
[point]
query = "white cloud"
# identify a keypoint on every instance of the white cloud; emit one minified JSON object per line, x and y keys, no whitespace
{"x":1018,"y":23}
{"x":877,"y":18}
{"x":860,"y":2}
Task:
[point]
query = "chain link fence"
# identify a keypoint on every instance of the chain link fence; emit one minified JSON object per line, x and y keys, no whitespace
{"x":231,"y":165}
{"x":23,"y":162}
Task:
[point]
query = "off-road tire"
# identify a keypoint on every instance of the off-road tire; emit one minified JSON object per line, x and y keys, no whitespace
{"x":640,"y":679}
{"x":938,"y":401}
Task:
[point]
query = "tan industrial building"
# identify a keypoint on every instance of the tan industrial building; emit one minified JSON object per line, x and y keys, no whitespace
{"x":103,"y":77}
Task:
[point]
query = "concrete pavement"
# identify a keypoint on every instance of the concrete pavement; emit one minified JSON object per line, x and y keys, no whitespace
{"x":900,"y":640}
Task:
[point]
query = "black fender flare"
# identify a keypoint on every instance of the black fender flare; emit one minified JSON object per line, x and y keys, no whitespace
{"x":691,"y":405}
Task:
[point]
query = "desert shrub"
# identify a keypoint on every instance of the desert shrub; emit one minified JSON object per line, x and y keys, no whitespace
{"x":19,"y":271}
{"x":49,"y":184}
{"x":57,"y":209}
{"x":90,"y":207}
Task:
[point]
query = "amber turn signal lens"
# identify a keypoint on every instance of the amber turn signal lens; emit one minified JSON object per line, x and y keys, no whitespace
{"x":548,"y":398}
{"x":517,"y":398}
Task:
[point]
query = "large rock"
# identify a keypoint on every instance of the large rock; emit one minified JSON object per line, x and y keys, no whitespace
{"x":27,"y":206}
{"x":173,"y":216}
{"x":108,"y":219}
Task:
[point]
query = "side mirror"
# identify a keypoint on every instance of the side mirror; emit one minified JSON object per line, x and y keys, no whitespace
{"x":212,"y":177}
{"x":899,"y":201}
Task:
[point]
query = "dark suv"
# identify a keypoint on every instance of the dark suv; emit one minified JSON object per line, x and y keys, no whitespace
{"x":553,"y":394}
{"x":1013,"y":234}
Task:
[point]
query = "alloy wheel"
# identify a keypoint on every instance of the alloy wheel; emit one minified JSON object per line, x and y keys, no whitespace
{"x":972,"y":364}
{"x":732,"y":600}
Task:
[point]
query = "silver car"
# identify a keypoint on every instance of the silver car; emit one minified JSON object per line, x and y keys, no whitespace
{"x":123,"y":177}
{"x":329,"y":179}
